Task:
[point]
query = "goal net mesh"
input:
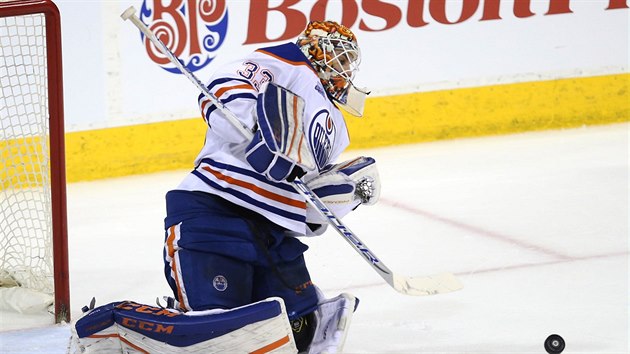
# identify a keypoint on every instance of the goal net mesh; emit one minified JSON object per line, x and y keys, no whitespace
{"x":25,"y":195}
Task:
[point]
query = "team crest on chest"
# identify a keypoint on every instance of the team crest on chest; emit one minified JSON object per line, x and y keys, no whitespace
{"x":322,"y":131}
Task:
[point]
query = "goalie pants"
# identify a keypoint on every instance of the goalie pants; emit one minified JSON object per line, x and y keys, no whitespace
{"x":220,"y":255}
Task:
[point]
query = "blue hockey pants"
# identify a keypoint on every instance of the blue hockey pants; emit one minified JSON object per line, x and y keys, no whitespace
{"x":220,"y":255}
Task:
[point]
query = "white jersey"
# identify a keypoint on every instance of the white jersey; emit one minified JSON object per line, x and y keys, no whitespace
{"x":221,"y":167}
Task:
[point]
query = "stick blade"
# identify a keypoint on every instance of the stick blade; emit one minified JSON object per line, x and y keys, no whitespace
{"x":429,"y":285}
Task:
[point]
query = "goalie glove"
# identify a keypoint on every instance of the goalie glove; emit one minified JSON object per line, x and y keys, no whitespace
{"x":279,"y":149}
{"x":345,"y":186}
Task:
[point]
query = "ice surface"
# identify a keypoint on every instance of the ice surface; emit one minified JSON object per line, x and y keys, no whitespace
{"x":535,"y":225}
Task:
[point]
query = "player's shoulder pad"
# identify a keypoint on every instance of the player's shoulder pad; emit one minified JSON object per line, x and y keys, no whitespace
{"x":289,"y":53}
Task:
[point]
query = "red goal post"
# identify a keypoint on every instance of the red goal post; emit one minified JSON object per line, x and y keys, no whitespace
{"x":33,"y":159}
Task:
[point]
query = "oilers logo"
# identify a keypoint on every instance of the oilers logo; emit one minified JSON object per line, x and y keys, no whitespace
{"x":322,"y":132}
{"x":192,"y":29}
{"x":220,"y":283}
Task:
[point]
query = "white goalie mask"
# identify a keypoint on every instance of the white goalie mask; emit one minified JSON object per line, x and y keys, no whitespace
{"x":333,"y":50}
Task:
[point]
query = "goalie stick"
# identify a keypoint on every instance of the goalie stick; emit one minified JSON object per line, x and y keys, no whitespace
{"x":427,"y":285}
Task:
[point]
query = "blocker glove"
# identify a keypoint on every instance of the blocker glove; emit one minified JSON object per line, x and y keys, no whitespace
{"x":279,"y":149}
{"x":345,"y":186}
{"x":267,"y":160}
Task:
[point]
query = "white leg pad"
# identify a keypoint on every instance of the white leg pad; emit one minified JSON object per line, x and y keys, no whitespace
{"x":192,"y":332}
{"x":333,"y":317}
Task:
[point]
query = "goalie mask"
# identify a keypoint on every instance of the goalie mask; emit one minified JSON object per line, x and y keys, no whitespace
{"x":333,"y":50}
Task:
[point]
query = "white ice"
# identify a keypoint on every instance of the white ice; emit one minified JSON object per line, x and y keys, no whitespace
{"x":535,"y":225}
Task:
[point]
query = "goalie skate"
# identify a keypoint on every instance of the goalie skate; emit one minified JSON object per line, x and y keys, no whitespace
{"x":332,"y":319}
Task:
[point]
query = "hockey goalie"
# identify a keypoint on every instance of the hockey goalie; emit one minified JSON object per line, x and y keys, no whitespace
{"x":232,"y":255}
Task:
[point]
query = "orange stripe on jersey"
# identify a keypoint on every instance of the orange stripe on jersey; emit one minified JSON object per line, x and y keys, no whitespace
{"x":263,"y":192}
{"x":223,"y":90}
{"x":203,"y":106}
{"x":272,"y":346}
{"x":290,"y":62}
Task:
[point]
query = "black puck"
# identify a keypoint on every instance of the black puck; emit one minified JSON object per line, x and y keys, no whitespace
{"x":554,"y":344}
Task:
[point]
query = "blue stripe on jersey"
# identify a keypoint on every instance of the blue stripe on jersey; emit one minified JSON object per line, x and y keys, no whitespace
{"x":289,"y":51}
{"x":244,"y":197}
{"x":229,"y":99}
{"x":248,"y":173}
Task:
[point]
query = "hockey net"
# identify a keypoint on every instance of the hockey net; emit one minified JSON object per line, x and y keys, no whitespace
{"x":33,"y":246}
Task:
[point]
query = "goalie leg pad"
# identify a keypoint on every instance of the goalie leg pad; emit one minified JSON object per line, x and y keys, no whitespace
{"x":129,"y":327}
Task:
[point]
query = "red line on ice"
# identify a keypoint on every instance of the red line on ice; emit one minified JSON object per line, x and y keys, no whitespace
{"x":475,"y":230}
